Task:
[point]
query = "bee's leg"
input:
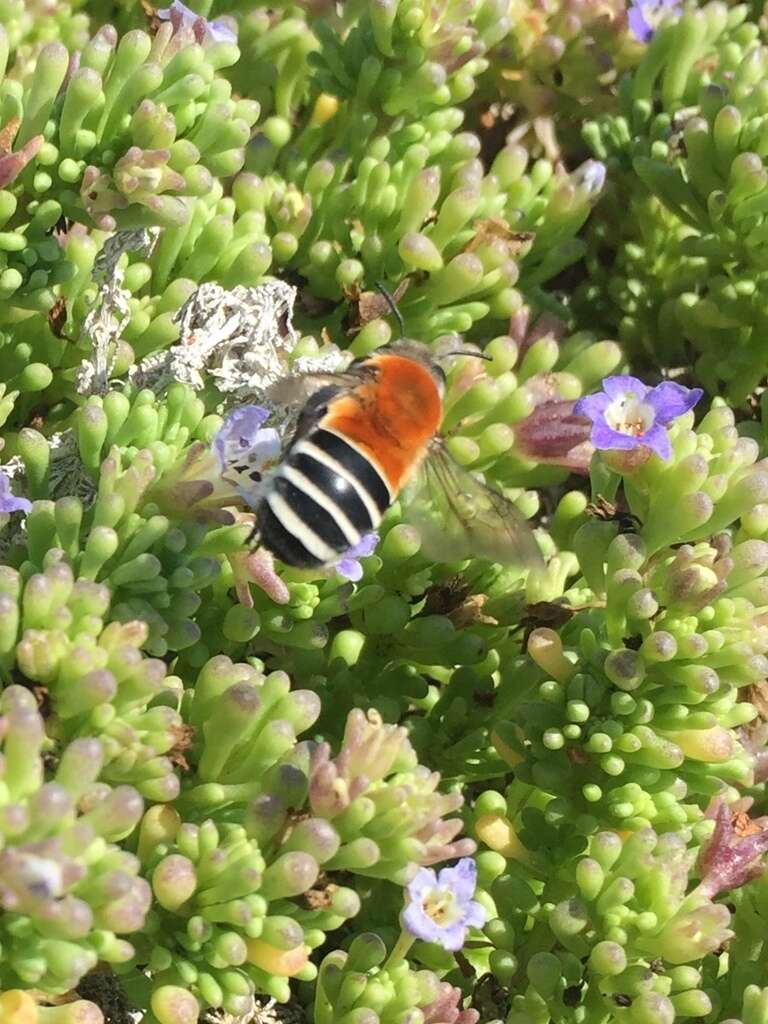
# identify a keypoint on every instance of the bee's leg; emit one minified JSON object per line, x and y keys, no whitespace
{"x":253,"y":538}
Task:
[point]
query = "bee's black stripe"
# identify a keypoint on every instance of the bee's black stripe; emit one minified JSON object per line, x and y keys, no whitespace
{"x":357,"y":465}
{"x":319,"y":520}
{"x":281,"y":542}
{"x":321,"y":501}
{"x":372,"y":510}
{"x":338,"y":490}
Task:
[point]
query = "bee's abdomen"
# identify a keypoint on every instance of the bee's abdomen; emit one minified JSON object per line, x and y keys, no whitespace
{"x":321,"y":501}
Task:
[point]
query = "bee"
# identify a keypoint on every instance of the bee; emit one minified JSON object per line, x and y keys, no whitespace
{"x":362,"y":438}
{"x":544,"y":613}
{"x":607,"y":512}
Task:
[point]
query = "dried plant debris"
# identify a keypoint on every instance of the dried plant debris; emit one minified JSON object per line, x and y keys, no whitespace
{"x":104,"y":324}
{"x":240,"y":338}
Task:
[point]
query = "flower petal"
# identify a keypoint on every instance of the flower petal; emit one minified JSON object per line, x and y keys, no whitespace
{"x":452,"y":938}
{"x":476,"y":915}
{"x":591,"y":174}
{"x":8,"y":500}
{"x":365,"y":546}
{"x":265,"y":449}
{"x":621,"y":384}
{"x":592,"y":407}
{"x":420,"y":924}
{"x":671,"y":400}
{"x":606,"y":437}
{"x":241,"y":434}
{"x":424,"y":879}
{"x":348,"y":565}
{"x":461,"y":879}
{"x":221,"y":30}
{"x":657,"y":439}
{"x":187,"y":15}
{"x":638,"y":26}
{"x":349,"y":568}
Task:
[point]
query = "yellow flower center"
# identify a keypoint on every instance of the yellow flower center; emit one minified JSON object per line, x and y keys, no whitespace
{"x":440,"y":905}
{"x":628,"y":414}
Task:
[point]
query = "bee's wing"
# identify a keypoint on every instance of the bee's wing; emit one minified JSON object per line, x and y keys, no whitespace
{"x":458,"y":516}
{"x":298,"y":388}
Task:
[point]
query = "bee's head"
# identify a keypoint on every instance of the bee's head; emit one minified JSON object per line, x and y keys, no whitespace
{"x":419,"y":353}
{"x":433,"y":360}
{"x":430,"y":358}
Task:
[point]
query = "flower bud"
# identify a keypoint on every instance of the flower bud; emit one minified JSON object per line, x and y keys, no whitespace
{"x":289,"y":875}
{"x":282,"y":963}
{"x":546,"y":649}
{"x":552,"y":434}
{"x":419,"y":252}
{"x":174,"y":881}
{"x":499,"y":834}
{"x":174,"y":1005}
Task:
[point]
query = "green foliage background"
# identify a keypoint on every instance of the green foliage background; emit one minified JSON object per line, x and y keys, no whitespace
{"x":217,"y":775}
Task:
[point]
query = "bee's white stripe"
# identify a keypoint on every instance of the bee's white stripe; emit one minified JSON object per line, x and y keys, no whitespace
{"x":298,"y":479}
{"x":295,"y":524}
{"x":368,"y":456}
{"x":307,"y":448}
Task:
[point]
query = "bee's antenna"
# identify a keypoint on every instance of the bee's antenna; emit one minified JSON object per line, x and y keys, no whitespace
{"x":467,"y":352}
{"x":390,"y":301}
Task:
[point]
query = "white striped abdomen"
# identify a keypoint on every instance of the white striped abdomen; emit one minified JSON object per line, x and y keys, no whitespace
{"x":322,"y":499}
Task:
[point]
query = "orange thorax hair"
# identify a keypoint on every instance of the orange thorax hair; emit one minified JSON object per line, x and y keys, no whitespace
{"x":391,"y":419}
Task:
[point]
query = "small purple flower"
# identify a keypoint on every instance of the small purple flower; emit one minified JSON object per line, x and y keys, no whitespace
{"x":348,"y":565}
{"x":246,"y":450}
{"x":8,"y":501}
{"x":733,"y":855}
{"x":441,"y":908}
{"x":591,"y":174}
{"x":41,"y":877}
{"x":645,"y":16}
{"x":219,"y":30}
{"x":627,"y":414}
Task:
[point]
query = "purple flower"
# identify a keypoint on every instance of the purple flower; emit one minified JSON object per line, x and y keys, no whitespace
{"x":219,"y":30}
{"x":246,"y":450}
{"x":8,"y":501}
{"x":645,"y":16}
{"x":590,"y":174}
{"x":733,"y":854}
{"x":627,"y":414}
{"x":41,"y":877}
{"x":441,"y":908}
{"x":348,"y":565}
